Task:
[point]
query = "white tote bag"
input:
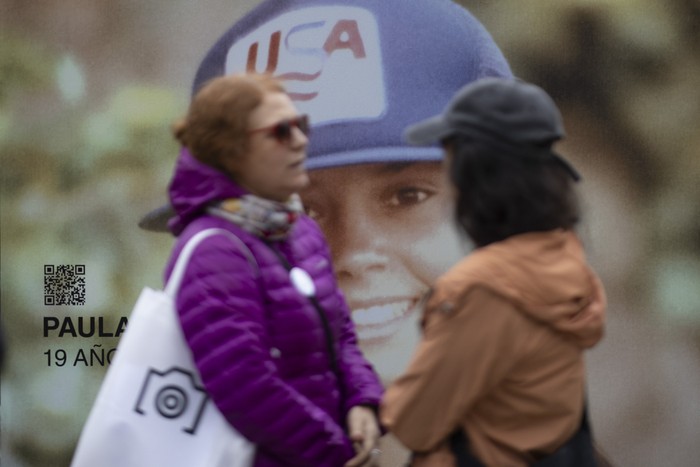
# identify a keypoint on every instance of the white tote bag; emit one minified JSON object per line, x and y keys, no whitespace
{"x":151,"y":409}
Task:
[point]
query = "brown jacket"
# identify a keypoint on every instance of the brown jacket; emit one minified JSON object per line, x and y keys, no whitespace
{"x":502,"y":353}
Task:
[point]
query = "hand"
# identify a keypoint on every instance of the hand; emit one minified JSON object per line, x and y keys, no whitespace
{"x":364,"y":434}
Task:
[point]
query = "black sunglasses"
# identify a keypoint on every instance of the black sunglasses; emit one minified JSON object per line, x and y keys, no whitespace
{"x":282,"y":131}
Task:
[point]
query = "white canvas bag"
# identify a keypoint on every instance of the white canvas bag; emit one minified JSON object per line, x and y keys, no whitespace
{"x":151,"y":409}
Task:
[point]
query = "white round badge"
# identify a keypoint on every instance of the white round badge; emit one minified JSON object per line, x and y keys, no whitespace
{"x":302,"y":282}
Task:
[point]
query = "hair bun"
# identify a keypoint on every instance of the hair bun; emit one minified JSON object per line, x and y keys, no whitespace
{"x":180,"y":131}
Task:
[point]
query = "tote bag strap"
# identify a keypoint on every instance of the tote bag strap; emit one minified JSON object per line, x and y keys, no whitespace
{"x":173,"y":284}
{"x":330,"y":342}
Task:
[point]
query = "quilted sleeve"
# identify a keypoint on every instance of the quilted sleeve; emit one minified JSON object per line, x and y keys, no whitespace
{"x":360,"y":382}
{"x":223,"y":319}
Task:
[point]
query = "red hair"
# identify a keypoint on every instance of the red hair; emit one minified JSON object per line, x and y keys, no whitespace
{"x":216,"y":125}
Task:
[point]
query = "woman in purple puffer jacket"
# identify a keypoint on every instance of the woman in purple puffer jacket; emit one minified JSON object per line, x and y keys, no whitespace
{"x":287,"y":374}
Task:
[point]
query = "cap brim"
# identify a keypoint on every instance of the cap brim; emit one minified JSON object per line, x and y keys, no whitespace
{"x":429,"y":131}
{"x":376,"y":155}
{"x":568,"y":167}
{"x":157,"y":219}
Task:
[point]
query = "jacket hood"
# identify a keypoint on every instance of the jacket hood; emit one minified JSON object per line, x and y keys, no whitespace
{"x":546,"y":275}
{"x":195,"y":186}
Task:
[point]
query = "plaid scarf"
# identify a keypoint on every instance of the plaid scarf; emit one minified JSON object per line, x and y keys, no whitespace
{"x":267,"y":219}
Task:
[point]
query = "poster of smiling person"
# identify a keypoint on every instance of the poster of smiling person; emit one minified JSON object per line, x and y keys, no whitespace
{"x":363,"y":70}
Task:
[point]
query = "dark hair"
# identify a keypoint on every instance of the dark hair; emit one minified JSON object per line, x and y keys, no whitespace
{"x":216,"y":125}
{"x":505,"y":190}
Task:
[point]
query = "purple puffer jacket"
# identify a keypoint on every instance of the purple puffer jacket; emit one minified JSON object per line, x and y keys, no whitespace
{"x":259,"y":344}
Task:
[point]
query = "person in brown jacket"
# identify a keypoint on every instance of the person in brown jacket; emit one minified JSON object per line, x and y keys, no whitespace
{"x":498,"y":378}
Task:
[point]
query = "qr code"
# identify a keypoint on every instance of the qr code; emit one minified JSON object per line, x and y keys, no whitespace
{"x":64,"y":284}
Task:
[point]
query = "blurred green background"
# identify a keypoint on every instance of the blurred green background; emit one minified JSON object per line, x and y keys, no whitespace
{"x":88,"y":90}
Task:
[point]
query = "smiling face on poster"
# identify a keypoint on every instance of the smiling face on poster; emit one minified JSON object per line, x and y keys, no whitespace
{"x":391,"y":234}
{"x":363,"y":73}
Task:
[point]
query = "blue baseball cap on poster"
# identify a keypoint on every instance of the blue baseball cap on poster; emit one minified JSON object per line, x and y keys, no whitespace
{"x":363,"y":70}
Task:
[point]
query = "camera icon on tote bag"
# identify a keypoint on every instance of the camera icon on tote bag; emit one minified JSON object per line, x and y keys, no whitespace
{"x":174,"y":396}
